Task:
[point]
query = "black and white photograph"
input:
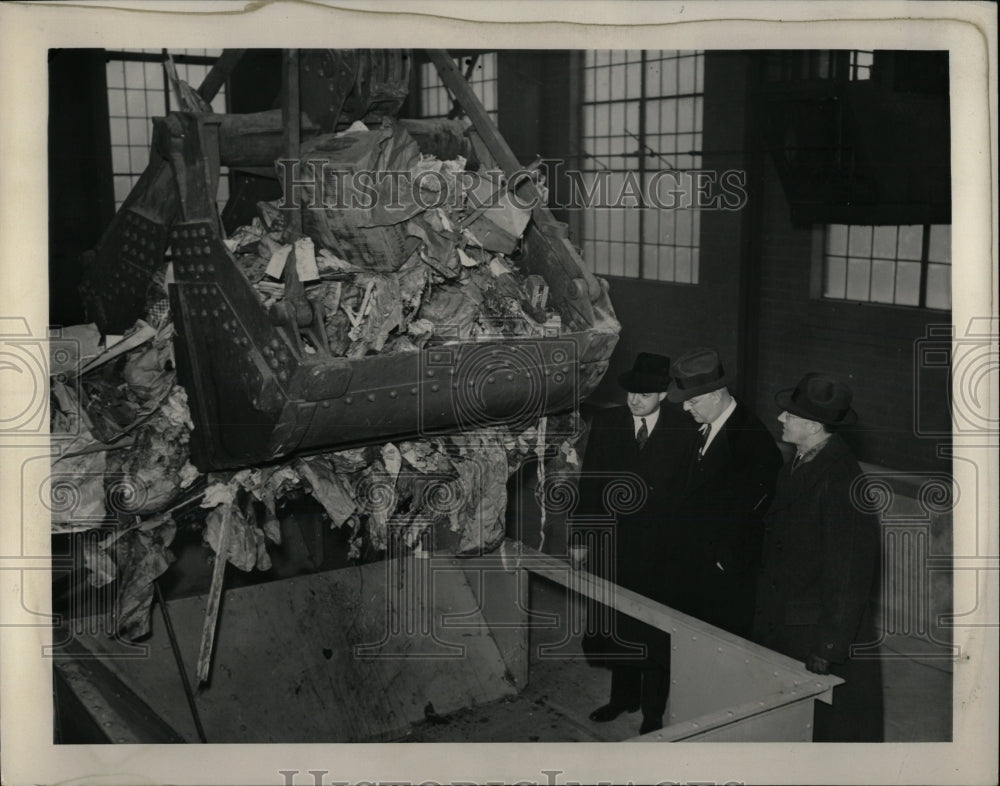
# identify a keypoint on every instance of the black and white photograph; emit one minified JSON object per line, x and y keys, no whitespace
{"x":499,"y":376}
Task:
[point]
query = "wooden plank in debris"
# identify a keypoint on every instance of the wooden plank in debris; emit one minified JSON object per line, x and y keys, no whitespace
{"x":214,"y":598}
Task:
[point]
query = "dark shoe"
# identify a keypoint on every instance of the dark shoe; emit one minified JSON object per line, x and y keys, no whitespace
{"x":650,"y":724}
{"x":609,"y":712}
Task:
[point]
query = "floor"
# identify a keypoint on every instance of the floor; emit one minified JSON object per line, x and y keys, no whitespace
{"x":561,"y":694}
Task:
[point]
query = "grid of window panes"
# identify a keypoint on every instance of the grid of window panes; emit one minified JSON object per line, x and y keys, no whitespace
{"x":901,"y":265}
{"x":436,"y":101}
{"x":138,"y":91}
{"x":642,"y":119}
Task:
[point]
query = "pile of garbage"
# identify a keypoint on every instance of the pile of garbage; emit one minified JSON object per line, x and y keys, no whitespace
{"x":387,"y":280}
{"x":431,"y":256}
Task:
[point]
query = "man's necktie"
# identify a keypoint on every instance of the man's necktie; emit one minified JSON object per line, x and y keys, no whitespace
{"x":643,"y":434}
{"x":706,"y":429}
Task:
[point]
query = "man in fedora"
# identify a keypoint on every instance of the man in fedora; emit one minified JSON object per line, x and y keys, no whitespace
{"x":629,"y":476}
{"x":818,"y":580}
{"x":713,"y":544}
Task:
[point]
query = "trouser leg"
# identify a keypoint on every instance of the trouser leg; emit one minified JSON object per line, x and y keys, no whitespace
{"x":655,"y":690}
{"x":626,"y":686}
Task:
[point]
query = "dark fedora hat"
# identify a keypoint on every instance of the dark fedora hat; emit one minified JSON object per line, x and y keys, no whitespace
{"x":695,"y":372}
{"x":819,"y":397}
{"x":650,"y":374}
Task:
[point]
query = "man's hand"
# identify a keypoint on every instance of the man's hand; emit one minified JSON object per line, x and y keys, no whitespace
{"x":578,"y":556}
{"x":818,"y":665}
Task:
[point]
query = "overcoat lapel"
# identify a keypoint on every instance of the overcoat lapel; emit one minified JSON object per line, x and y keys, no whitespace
{"x":793,"y":486}
{"x":718,"y":455}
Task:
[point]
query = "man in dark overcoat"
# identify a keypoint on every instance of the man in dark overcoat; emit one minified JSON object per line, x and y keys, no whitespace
{"x":631,"y":471}
{"x":818,"y":583}
{"x":713,"y":542}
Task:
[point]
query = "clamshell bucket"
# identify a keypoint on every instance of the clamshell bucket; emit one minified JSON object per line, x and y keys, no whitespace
{"x":263,"y":383}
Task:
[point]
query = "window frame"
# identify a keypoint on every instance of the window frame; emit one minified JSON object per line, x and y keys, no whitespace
{"x":643,"y":151}
{"x":817,"y":284}
{"x":158,"y":57}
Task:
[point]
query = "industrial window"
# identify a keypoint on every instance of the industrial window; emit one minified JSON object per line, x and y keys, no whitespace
{"x":642,"y":119}
{"x":138,"y":91}
{"x":901,"y":265}
{"x":860,"y":65}
{"x":481,"y":72}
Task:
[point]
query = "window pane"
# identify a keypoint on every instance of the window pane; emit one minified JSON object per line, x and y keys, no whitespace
{"x":859,"y":242}
{"x":686,"y":75}
{"x":650,"y":262}
{"x":138,"y":158}
{"x":908,"y":283}
{"x":884,"y":244}
{"x":836,"y":277}
{"x":653,"y":71}
{"x":682,"y":261}
{"x":683,"y":237}
{"x":883,"y":280}
{"x":119,"y":159}
{"x":685,"y":114}
{"x":858,"y":271}
{"x":669,"y":81}
{"x":617,"y":82}
{"x":116,"y":74}
{"x":633,"y":80}
{"x":938,"y":286}
{"x":116,"y":103}
{"x":631,"y":224}
{"x":836,"y":239}
{"x":152,"y":75}
{"x":667,"y":234}
{"x":632,"y":260}
{"x":667,"y":264}
{"x":911,"y":242}
{"x":135,"y":103}
{"x":940,"y":243}
{"x":134,"y":75}
{"x":602,"y":259}
{"x":616,"y":229}
{"x":138,"y":132}
{"x":119,"y":131}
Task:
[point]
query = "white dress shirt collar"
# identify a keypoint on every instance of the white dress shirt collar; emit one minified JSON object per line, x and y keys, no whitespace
{"x":650,"y":419}
{"x":719,"y":422}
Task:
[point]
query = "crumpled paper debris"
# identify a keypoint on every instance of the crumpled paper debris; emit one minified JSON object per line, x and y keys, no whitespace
{"x":247,"y":549}
{"x":328,"y":489}
{"x":140,"y":557}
